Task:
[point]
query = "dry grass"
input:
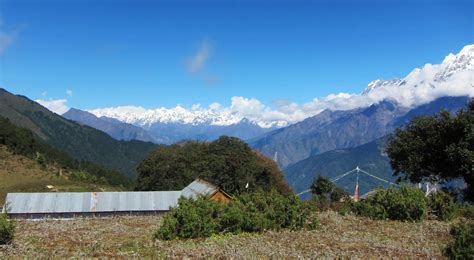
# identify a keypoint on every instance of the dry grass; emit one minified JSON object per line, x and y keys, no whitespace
{"x":337,"y":236}
{"x":21,"y":174}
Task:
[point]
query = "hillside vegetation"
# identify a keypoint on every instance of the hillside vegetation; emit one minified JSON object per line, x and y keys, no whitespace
{"x":79,"y":141}
{"x":28,"y":164}
{"x":19,"y":173}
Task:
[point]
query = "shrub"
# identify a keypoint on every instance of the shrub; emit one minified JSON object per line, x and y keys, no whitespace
{"x":404,"y":203}
{"x":7,"y":229}
{"x":192,"y":218}
{"x":442,"y":206}
{"x":253,"y":212}
{"x":369,"y":209}
{"x":328,"y":196}
{"x":466,"y":211}
{"x":463,"y":245}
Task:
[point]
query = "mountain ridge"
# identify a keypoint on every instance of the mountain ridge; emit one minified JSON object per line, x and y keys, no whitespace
{"x":332,"y":130}
{"x":79,"y":141}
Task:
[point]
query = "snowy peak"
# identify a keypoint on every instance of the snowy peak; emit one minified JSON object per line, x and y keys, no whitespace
{"x":178,"y":115}
{"x":381,"y":83}
{"x":454,"y":76}
{"x":146,"y":117}
{"x":463,"y":61}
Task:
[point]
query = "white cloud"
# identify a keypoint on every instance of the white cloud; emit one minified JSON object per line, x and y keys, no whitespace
{"x":198,"y":61}
{"x":69,"y":92}
{"x":195,"y":106}
{"x":6,"y":38}
{"x":215,"y":106}
{"x":58,"y":106}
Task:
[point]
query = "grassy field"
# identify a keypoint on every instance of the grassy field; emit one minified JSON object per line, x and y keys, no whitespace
{"x":337,"y":236}
{"x":21,"y":174}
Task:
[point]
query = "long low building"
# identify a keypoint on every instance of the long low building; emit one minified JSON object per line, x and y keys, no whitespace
{"x":74,"y":204}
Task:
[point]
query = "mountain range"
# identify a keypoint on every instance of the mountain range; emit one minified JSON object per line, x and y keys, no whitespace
{"x":338,"y":133}
{"x":331,"y":130}
{"x":113,"y":127}
{"x":166,"y":132}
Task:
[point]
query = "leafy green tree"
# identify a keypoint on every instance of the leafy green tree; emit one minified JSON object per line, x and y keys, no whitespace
{"x":321,"y":186}
{"x":227,"y":162}
{"x":436,"y":148}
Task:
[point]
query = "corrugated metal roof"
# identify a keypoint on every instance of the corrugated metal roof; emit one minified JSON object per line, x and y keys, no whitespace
{"x":83,"y":202}
{"x":199,"y":187}
{"x":80,"y":202}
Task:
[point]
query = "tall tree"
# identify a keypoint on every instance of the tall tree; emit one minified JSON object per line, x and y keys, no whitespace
{"x":436,"y":148}
{"x":227,"y":162}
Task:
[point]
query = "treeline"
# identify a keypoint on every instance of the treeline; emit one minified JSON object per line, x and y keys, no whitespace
{"x":227,"y":162}
{"x":22,"y":141}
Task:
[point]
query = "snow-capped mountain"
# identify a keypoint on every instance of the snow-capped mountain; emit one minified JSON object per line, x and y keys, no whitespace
{"x":147,"y":117}
{"x":453,"y":77}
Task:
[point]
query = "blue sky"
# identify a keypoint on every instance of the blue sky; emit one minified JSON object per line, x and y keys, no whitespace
{"x":159,"y":53}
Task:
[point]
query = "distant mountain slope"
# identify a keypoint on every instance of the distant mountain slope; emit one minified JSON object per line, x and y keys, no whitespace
{"x":332,"y":130}
{"x":113,"y":127}
{"x":167,"y":132}
{"x":327,"y":131}
{"x":81,"y":142}
{"x":369,"y":157}
{"x":175,"y":132}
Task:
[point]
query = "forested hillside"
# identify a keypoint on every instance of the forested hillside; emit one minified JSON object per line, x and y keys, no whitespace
{"x":81,"y":142}
{"x":21,"y":141}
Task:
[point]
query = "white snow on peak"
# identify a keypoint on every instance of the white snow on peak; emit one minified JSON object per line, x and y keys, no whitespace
{"x":180,"y":115}
{"x":453,"y":77}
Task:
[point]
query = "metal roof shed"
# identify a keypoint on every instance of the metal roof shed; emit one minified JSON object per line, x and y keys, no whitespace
{"x":71,"y":204}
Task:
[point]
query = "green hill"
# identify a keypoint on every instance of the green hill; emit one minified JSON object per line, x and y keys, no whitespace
{"x":369,"y":157}
{"x":19,"y":173}
{"x":81,"y":142}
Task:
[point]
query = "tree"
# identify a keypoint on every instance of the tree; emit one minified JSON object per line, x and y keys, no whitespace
{"x":436,"y":148}
{"x":321,"y":186}
{"x":227,"y":162}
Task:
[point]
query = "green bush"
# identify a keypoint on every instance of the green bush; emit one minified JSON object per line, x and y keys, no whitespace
{"x":404,"y":203}
{"x":253,"y":212}
{"x":463,"y":245}
{"x":191,"y":219}
{"x":369,"y":209}
{"x":7,"y":229}
{"x":466,"y":211}
{"x":442,"y":206}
